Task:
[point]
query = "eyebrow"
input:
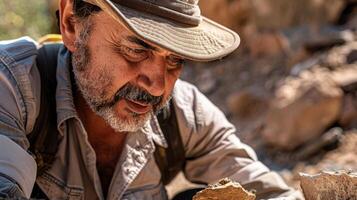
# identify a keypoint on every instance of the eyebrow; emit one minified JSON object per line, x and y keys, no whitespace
{"x":141,"y":43}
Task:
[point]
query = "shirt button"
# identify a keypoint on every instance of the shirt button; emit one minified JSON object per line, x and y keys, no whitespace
{"x":140,"y":160}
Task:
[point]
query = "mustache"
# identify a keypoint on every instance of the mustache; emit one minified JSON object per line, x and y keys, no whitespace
{"x":130,"y":92}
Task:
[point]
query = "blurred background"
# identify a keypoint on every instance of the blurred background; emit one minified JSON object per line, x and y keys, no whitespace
{"x":290,"y":88}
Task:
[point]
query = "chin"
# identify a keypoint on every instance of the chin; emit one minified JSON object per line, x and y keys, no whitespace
{"x":125,"y":122}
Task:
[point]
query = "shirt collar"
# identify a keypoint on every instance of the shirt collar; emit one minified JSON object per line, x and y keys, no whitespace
{"x":64,"y":95}
{"x":153,"y":127}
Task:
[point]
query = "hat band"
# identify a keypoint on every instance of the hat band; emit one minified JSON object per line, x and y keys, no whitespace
{"x":178,"y":12}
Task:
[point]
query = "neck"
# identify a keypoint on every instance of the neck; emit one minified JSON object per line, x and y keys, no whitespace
{"x":99,"y":132}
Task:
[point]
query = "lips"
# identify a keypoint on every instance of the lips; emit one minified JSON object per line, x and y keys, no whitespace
{"x":137,"y":107}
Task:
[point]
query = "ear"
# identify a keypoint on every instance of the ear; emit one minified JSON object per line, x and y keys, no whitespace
{"x":67,"y":23}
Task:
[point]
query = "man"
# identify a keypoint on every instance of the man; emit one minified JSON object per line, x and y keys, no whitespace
{"x":118,"y":67}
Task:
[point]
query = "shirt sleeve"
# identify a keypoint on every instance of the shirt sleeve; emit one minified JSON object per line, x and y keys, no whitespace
{"x":17,"y":114}
{"x":213,"y":150}
{"x":9,"y":189}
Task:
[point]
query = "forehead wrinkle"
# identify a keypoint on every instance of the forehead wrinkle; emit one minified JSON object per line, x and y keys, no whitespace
{"x":114,"y":38}
{"x":140,"y":42}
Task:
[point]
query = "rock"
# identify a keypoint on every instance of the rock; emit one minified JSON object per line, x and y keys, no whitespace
{"x":247,"y":104}
{"x":305,"y":42}
{"x":269,"y":44}
{"x":328,"y":38}
{"x":331,"y":137}
{"x":233,"y":14}
{"x":329,"y":186}
{"x":272,"y":14}
{"x":281,"y":13}
{"x":346,"y":77}
{"x":348,"y":117}
{"x":341,"y":158}
{"x":339,"y":62}
{"x":352,"y":56}
{"x":340,"y":56}
{"x":302,"y":109}
{"x":302,"y":66}
{"x":225,"y":189}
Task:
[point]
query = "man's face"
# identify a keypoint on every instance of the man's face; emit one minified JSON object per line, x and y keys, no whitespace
{"x":122,"y":78}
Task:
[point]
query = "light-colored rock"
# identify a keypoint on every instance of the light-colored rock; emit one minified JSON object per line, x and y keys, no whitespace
{"x":302,"y":109}
{"x":341,"y":56}
{"x":225,"y":189}
{"x":345,"y":76}
{"x":329,"y":186}
{"x":272,"y":13}
{"x":233,"y":14}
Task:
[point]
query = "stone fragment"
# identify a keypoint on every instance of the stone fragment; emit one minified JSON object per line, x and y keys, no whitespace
{"x":329,"y":186}
{"x":302,"y":109}
{"x":225,"y":189}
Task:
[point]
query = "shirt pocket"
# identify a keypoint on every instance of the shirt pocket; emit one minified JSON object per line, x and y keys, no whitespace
{"x":156,"y":192}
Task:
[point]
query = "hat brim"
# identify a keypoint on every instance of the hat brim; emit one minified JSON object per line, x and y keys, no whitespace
{"x":206,"y":42}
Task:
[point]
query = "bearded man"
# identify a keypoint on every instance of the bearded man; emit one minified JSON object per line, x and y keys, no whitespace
{"x":117,"y":69}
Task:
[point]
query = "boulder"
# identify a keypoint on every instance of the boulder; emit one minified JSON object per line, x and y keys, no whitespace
{"x":302,"y":109}
{"x":247,"y":104}
{"x":225,"y":189}
{"x":272,"y":13}
{"x":233,"y":14}
{"x":348,"y":116}
{"x":267,"y":43}
{"x":329,"y":185}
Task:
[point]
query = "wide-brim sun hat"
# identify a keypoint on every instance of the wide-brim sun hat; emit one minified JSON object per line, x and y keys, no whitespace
{"x":174,"y":25}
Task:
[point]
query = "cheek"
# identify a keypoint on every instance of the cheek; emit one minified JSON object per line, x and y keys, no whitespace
{"x":118,"y":71}
{"x":171,"y":79}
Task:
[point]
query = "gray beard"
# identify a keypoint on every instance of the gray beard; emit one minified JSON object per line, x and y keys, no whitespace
{"x":93,"y":87}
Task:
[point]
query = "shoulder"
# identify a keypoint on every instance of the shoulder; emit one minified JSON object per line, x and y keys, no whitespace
{"x":194,"y":110}
{"x":193,"y":103}
{"x":20,"y":81}
{"x":18,"y":56}
{"x":25,"y":42}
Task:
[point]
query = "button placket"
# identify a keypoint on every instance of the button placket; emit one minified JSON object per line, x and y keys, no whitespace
{"x":136,"y":154}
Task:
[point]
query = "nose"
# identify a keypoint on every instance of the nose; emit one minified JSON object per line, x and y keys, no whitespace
{"x":152,"y":75}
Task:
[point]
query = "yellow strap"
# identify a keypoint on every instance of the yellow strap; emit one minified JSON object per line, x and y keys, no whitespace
{"x":50,"y":38}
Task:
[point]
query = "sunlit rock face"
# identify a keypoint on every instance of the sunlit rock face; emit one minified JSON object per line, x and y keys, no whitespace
{"x":272,"y":13}
{"x":329,"y":185}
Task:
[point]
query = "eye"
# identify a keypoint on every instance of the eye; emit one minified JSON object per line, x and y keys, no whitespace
{"x":133,"y":54}
{"x":174,"y":62}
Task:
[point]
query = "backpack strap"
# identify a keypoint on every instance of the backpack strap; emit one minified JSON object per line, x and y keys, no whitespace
{"x":170,"y":160}
{"x":44,"y":137}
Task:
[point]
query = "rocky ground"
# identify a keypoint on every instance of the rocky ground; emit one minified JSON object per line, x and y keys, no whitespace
{"x":291,"y":89}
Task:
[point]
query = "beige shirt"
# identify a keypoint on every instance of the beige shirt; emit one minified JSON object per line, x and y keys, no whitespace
{"x":212,"y":148}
